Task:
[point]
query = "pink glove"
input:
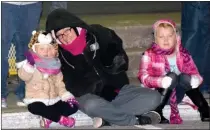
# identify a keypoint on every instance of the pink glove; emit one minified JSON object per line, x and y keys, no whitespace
{"x":72,"y":102}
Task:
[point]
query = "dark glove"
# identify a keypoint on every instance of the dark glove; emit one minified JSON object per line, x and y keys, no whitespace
{"x":72,"y":102}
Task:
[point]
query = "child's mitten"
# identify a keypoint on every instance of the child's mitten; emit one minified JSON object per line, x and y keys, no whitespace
{"x":166,"y":82}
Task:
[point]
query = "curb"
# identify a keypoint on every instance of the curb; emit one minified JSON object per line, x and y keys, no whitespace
{"x":28,"y":120}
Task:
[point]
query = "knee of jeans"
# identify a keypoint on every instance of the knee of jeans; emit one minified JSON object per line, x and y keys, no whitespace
{"x":184,"y":81}
{"x":91,"y":106}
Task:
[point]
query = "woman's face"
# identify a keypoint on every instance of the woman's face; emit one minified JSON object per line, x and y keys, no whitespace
{"x":66,"y":35}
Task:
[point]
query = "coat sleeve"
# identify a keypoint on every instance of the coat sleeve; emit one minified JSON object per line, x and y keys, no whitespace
{"x":145,"y":78}
{"x":112,"y":55}
{"x":62,"y":92}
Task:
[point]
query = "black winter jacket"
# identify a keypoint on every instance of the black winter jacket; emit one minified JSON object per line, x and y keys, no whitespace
{"x":101,"y":71}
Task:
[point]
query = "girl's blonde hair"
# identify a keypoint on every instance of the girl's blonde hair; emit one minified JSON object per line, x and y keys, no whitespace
{"x":166,"y":25}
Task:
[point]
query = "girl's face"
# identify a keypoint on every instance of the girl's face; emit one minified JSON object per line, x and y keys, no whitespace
{"x":46,"y":51}
{"x":165,"y":37}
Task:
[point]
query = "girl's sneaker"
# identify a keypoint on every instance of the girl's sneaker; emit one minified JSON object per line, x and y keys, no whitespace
{"x":67,"y":121}
{"x":3,"y":103}
{"x":45,"y":123}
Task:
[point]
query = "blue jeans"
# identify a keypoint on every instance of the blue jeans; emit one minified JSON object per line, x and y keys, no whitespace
{"x":58,"y":4}
{"x":195,"y":26}
{"x":18,"y":22}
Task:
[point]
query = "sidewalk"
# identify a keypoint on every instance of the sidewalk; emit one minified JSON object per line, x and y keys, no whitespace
{"x":19,"y":117}
{"x":13,"y":108}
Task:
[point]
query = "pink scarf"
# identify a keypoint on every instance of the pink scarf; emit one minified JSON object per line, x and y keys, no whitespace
{"x":159,"y":51}
{"x":78,"y":45}
{"x":45,"y":65}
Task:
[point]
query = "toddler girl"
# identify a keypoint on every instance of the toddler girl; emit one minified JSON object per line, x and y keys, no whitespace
{"x":46,"y":94}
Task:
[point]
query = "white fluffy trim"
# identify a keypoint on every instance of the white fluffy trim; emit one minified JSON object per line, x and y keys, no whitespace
{"x":47,"y":102}
{"x":66,"y":96}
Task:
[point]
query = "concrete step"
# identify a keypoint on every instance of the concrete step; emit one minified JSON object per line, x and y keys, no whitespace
{"x":134,"y":61}
{"x":27,"y":120}
{"x":136,"y":36}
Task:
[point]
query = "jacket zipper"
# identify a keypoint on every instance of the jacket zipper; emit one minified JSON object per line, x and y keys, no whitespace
{"x":67,"y":61}
{"x":94,"y":69}
{"x":92,"y":65}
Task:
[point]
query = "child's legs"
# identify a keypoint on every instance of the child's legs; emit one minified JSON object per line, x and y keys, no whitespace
{"x":53,"y":112}
{"x":182,"y":85}
{"x":65,"y":109}
{"x":180,"y":92}
{"x":184,"y":81}
{"x":167,"y":92}
{"x":49,"y":112}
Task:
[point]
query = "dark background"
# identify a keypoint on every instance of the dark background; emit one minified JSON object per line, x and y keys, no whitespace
{"x":115,"y":7}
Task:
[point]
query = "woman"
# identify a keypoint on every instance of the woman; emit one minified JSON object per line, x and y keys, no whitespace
{"x":94,"y":66}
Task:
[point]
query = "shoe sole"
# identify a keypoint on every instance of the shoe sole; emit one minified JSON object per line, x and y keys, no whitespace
{"x":42,"y":125}
{"x":3,"y":106}
{"x":205,"y":119}
{"x":97,"y":122}
{"x":20,"y":104}
{"x":154,"y":116}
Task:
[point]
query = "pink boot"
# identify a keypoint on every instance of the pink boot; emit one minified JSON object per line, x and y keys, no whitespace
{"x":45,"y":123}
{"x":67,"y":121}
{"x":175,"y":119}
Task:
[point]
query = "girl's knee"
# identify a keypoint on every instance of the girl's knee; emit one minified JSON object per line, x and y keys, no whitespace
{"x":184,"y":81}
{"x":174,"y":78}
{"x":36,"y":107}
{"x":74,"y":109}
{"x":173,"y":75}
{"x":184,"y":78}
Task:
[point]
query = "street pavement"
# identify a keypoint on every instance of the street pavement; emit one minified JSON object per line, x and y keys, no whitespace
{"x":19,"y":117}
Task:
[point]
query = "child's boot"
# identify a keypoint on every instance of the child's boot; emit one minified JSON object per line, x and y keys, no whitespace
{"x":197,"y":98}
{"x":67,"y":121}
{"x":45,"y":123}
{"x":159,"y":109}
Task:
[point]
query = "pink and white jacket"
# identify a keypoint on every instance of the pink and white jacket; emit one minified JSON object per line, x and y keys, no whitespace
{"x":153,"y":66}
